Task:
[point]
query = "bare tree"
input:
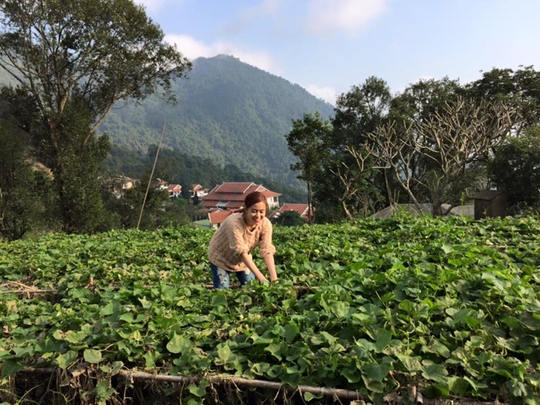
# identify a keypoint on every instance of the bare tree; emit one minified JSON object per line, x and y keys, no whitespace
{"x":455,"y":138}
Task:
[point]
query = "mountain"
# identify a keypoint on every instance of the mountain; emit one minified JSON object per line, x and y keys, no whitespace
{"x":228,"y":111}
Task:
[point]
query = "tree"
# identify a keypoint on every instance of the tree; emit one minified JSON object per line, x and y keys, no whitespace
{"x":307,"y":141}
{"x":77,"y":162}
{"x":360,"y":111}
{"x":82,"y":52}
{"x":454,"y":138}
{"x":125,"y":205}
{"x":101,"y":50}
{"x":15,"y":176}
{"x":351,"y":182}
{"x":520,"y":87}
{"x":418,"y":102}
{"x":515,"y":169}
{"x":26,"y":201}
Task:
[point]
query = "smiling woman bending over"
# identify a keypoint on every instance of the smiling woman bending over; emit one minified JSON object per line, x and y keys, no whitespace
{"x":231,"y":246}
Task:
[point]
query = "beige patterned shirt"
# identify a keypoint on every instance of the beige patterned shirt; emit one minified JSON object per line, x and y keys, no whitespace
{"x":234,"y":238}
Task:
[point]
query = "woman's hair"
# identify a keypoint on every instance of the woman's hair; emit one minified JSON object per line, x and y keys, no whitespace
{"x":254,"y":198}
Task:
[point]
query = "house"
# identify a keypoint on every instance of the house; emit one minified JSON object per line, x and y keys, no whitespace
{"x":198,"y":191}
{"x":227,"y":198}
{"x":118,"y":185}
{"x":175,"y":190}
{"x":302,"y":209}
{"x":161,"y":184}
{"x":128,"y":183}
{"x":489,"y":203}
{"x":217,"y":217}
{"x":230,"y":196}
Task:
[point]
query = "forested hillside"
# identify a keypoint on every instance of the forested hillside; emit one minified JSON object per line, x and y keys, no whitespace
{"x":227,"y":111}
{"x":180,"y":168}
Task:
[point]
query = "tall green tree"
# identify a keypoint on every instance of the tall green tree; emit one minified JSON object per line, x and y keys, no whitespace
{"x":515,"y":169}
{"x":66,"y":53}
{"x":308,"y":141}
{"x":77,"y":161}
{"x":16,"y":204}
{"x":521,"y":87}
{"x":125,"y":205}
{"x":351,"y":183}
{"x":360,"y":111}
{"x":26,"y":200}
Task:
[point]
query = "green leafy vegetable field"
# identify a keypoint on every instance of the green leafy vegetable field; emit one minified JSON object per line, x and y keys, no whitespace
{"x":449,"y":307}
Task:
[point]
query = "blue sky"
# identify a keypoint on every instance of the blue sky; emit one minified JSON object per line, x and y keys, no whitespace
{"x":327,"y":46}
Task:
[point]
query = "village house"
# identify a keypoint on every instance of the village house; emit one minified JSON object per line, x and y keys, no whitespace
{"x":175,"y":190}
{"x":228,"y":197}
{"x":128,"y":183}
{"x":161,"y":184}
{"x":198,"y":191}
{"x":118,"y":184}
{"x":302,"y":209}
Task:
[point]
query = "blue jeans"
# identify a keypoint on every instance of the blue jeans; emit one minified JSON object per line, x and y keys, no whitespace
{"x":221,"y":277}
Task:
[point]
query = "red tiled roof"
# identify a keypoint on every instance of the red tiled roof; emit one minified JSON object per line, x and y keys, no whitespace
{"x":196,"y":187}
{"x":172,"y":187}
{"x":293,"y":207}
{"x":217,"y":196}
{"x":217,"y":217}
{"x":232,"y":195}
{"x":238,"y":188}
{"x":302,"y":209}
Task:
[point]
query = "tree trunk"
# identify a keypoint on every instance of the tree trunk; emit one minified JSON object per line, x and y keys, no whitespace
{"x":311,"y":211}
{"x":346,"y":210}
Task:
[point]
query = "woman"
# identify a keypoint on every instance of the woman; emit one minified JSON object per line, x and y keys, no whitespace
{"x":231,"y":246}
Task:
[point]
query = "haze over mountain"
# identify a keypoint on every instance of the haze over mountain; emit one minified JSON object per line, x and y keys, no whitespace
{"x":227,"y":111}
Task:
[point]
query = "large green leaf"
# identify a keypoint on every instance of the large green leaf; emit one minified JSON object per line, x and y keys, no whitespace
{"x":179,"y":344}
{"x":92,"y":356}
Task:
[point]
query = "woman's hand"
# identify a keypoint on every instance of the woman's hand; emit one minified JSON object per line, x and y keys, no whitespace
{"x":246,"y":258}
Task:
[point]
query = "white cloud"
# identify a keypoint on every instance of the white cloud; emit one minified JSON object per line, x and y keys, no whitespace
{"x":249,"y":16}
{"x":192,"y":49}
{"x":328,"y":94}
{"x":328,"y":16}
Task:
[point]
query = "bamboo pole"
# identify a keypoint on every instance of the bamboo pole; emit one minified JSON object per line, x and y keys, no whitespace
{"x":336,"y":393}
{"x":135,"y":375}
{"x":151,"y":176}
{"x":329,"y":392}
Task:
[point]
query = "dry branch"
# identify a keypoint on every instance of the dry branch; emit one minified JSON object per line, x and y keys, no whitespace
{"x":331,"y":392}
{"x":413,"y":395}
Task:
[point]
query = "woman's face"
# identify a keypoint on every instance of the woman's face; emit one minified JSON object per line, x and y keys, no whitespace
{"x":255,"y":214}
